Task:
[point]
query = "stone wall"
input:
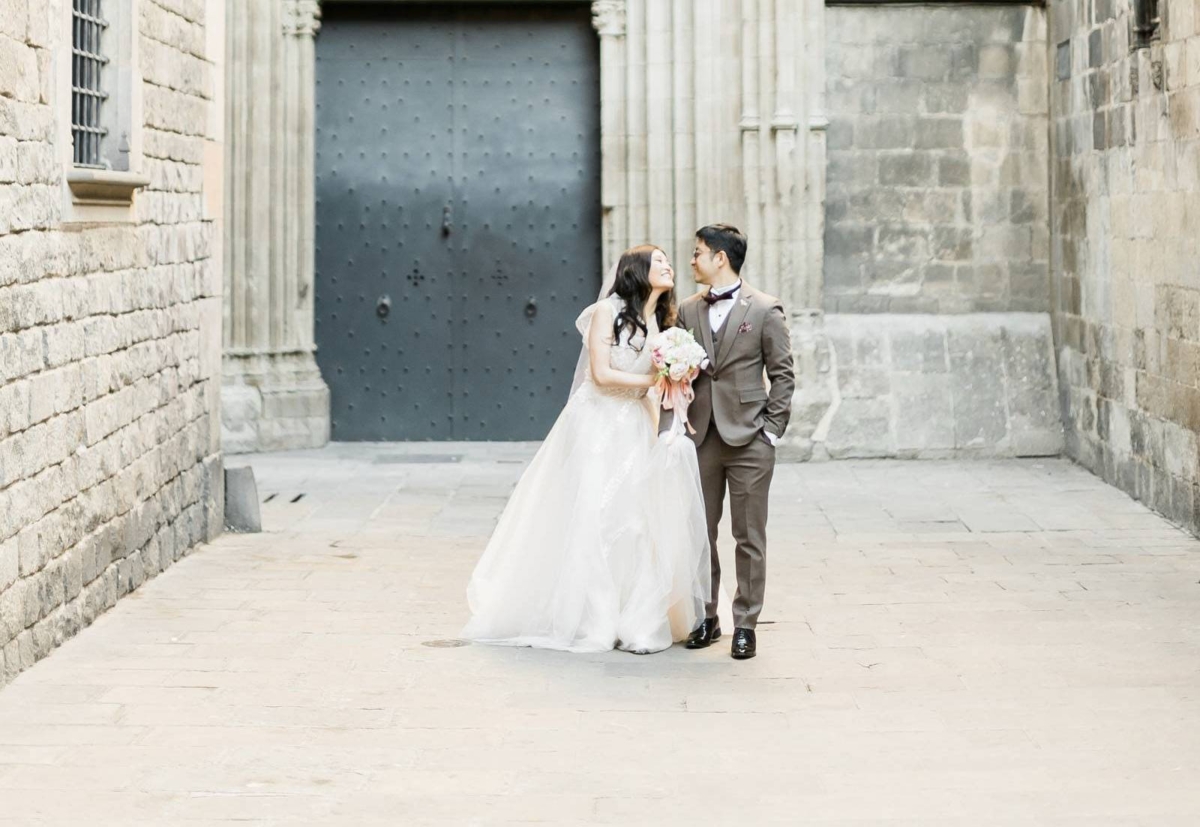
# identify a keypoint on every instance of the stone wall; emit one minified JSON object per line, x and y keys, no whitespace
{"x":109,"y":335}
{"x":936,"y":273}
{"x":937,"y":176}
{"x":939,"y":386}
{"x":1125,"y":221}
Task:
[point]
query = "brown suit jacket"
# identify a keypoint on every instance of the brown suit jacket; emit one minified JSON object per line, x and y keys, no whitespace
{"x":731,"y":395}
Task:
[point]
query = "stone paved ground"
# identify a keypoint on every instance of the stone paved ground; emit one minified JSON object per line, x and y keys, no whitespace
{"x":945,"y":643}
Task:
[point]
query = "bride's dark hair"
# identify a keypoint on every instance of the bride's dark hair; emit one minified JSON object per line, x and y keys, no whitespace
{"x":633,"y":287}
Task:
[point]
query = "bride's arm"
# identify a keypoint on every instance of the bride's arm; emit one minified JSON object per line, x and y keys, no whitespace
{"x":599,"y":344}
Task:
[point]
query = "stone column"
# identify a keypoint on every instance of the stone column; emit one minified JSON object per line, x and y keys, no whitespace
{"x":608,"y":16}
{"x":273,"y":397}
{"x":712,"y":110}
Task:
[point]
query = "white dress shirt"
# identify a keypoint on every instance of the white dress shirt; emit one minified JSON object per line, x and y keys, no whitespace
{"x":717,"y":313}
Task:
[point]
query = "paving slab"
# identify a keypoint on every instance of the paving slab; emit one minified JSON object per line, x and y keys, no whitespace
{"x":944,"y":643}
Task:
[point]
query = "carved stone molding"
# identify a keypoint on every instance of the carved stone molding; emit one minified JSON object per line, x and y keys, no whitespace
{"x":608,"y":17}
{"x":301,"y":17}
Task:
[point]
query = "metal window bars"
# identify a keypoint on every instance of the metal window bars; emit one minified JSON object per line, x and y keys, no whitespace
{"x":87,"y":93}
{"x":1146,"y":22}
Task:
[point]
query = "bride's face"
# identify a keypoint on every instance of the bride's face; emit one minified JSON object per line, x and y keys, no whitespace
{"x":662,"y":277}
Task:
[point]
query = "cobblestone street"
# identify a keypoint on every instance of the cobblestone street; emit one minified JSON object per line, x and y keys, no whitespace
{"x":957,"y":643}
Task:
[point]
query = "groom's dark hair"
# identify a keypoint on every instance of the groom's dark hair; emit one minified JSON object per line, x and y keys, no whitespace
{"x":727,"y":239}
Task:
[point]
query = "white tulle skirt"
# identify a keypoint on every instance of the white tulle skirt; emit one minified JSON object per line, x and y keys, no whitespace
{"x":603,"y":543}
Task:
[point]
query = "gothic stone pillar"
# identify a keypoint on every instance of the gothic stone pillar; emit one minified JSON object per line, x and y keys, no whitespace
{"x":273,"y":397}
{"x":713,"y":110}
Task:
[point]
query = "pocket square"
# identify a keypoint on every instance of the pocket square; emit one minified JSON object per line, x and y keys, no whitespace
{"x":745,"y":327}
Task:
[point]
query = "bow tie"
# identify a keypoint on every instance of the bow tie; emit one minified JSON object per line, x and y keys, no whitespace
{"x":710,"y":299}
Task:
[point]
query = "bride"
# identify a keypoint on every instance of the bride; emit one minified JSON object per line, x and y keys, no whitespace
{"x":604,"y":542}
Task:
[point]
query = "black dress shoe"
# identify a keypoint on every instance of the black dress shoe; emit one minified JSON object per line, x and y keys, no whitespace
{"x":744,"y":645}
{"x":705,"y":634}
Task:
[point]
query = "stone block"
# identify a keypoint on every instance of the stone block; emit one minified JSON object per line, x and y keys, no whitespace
{"x":298,"y":403}
{"x":947,"y":98}
{"x":977,"y":386}
{"x":953,"y":171}
{"x":894,"y":276}
{"x":937,"y":275}
{"x":914,"y":304}
{"x":888,"y":132}
{"x":1030,"y":282}
{"x":286,"y":434}
{"x":241,"y":500}
{"x":843,"y":275}
{"x":851,"y":170}
{"x":9,"y":562}
{"x":952,"y":244}
{"x":898,"y":95}
{"x":8,"y":160}
{"x":18,"y":71}
{"x":37,"y":163}
{"x":860,"y":428}
{"x":863,"y":383}
{"x":949,"y":384}
{"x":997,"y":60}
{"x":20,"y":354}
{"x":919,"y":349}
{"x":909,"y":170}
{"x":927,"y":62}
{"x":840,"y":337}
{"x":903,"y":243}
{"x":930,"y":207}
{"x":848,"y":241}
{"x":923,"y":413}
{"x":1004,"y":243}
{"x":840,"y":134}
{"x":1026,"y":207}
{"x":858,"y":304}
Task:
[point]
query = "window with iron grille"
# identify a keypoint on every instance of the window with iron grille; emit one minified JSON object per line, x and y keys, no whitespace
{"x":1146,"y":22}
{"x":87,"y":90}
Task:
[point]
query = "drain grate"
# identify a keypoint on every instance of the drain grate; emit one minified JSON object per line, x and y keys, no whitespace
{"x":451,"y":643}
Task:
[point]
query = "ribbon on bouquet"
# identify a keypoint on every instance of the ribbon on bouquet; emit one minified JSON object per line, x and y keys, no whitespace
{"x":676,"y":396}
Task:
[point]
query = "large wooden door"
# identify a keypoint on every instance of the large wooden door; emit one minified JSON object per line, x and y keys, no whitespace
{"x":458,"y":215}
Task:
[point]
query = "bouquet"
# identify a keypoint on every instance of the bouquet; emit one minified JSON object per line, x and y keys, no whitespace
{"x":678,"y":358}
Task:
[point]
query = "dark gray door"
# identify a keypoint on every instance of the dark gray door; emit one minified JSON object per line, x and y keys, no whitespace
{"x":457,"y":215}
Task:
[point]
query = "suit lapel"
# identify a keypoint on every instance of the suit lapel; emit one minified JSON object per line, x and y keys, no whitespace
{"x":705,"y":330}
{"x":733,"y":321}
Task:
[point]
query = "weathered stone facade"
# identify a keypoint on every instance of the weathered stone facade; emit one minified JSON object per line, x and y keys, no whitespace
{"x":938,"y":386}
{"x":936,"y":188}
{"x":936,"y":275}
{"x":1125,"y":223}
{"x":110,"y":321}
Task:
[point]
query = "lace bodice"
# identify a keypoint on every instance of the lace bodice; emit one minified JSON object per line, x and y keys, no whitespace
{"x":630,"y":354}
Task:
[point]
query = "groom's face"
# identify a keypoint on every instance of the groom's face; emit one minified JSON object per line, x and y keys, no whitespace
{"x":704,"y":263}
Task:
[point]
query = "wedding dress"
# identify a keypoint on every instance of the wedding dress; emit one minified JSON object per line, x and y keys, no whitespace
{"x":604,"y":541}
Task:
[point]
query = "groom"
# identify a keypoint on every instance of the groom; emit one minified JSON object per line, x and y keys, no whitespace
{"x":738,"y":420}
